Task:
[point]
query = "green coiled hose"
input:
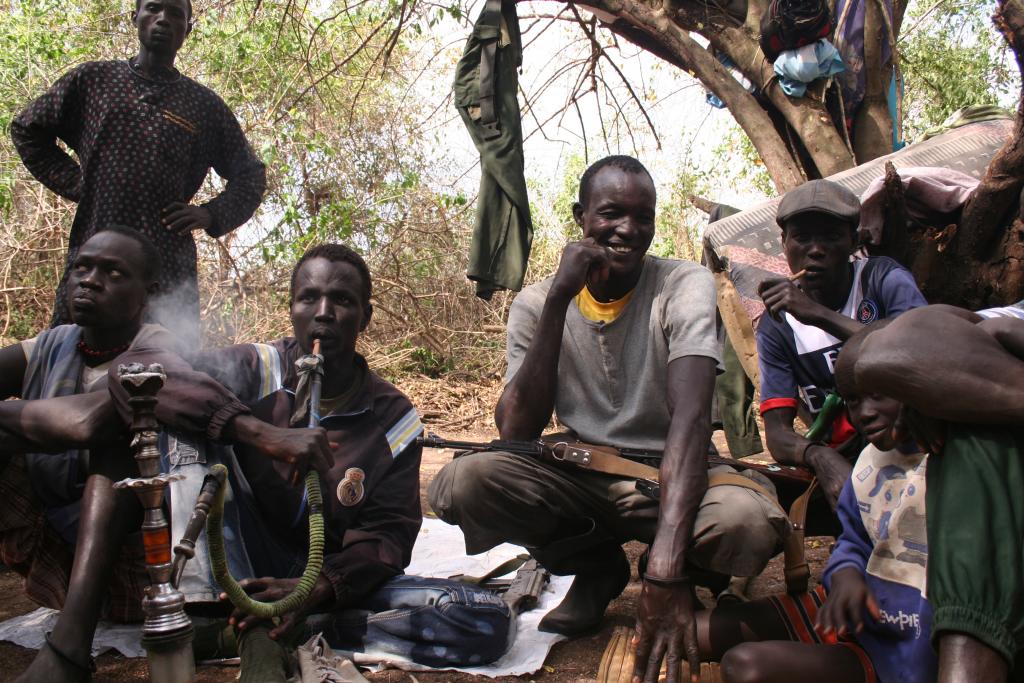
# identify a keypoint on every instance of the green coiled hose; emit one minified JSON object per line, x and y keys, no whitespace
{"x":218,"y":557}
{"x":829,"y":411}
{"x":311,"y":371}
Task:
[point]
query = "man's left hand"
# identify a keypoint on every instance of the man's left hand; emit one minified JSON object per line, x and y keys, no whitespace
{"x":182,"y":218}
{"x":665,"y":630}
{"x":303,"y":448}
{"x":269,"y":589}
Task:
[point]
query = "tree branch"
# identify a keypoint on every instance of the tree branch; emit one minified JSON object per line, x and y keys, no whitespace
{"x":658,"y":28}
{"x":808,"y":118}
{"x":600,"y":51}
{"x":705,"y":205}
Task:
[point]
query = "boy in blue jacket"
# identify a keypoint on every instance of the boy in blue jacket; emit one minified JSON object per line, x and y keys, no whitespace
{"x":876,"y":622}
{"x":960,"y":378}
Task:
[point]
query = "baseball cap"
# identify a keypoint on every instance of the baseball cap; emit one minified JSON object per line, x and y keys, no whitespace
{"x":819,"y":196}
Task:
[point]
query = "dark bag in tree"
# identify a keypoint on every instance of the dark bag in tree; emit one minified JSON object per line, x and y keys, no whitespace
{"x":789,"y":24}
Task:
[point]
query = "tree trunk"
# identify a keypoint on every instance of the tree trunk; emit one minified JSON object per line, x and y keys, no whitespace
{"x":872,"y":127}
{"x":982,"y":263}
{"x":895,"y":239}
{"x":988,"y":208}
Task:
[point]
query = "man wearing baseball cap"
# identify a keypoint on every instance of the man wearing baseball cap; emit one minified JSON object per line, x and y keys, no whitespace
{"x":812,"y":314}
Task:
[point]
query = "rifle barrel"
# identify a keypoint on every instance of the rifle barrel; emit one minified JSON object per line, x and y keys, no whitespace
{"x":647,"y":457}
{"x":434,"y":441}
{"x":520,"y":447}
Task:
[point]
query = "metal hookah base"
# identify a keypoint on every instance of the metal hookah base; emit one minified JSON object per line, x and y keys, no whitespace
{"x":170,"y":656}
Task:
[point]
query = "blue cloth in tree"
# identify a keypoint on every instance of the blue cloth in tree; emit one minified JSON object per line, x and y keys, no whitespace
{"x":796,"y":68}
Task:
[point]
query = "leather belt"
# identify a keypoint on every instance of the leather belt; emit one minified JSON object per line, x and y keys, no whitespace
{"x":589,"y":457}
{"x":607,"y":461}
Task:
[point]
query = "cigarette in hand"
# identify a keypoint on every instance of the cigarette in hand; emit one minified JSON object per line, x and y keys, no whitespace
{"x":796,"y":276}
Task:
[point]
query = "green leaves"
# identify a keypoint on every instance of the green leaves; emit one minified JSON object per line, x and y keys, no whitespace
{"x":953,"y":57}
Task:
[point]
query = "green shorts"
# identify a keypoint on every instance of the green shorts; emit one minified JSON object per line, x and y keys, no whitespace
{"x":975,"y":503}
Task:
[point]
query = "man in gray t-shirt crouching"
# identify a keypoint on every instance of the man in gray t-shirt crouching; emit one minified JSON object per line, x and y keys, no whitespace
{"x":622,"y":346}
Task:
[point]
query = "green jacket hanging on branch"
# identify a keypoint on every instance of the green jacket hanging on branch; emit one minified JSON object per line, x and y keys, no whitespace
{"x":485,"y":94}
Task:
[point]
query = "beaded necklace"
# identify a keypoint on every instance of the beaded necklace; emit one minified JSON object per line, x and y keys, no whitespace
{"x":102,"y":355}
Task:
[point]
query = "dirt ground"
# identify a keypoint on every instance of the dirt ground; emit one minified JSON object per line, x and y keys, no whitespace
{"x":573,"y":661}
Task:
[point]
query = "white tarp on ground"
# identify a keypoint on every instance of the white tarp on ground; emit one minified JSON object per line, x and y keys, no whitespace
{"x":439,"y":551}
{"x":29,"y":630}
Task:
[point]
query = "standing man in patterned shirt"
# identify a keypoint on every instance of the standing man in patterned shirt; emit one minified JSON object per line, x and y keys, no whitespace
{"x":145,"y":137}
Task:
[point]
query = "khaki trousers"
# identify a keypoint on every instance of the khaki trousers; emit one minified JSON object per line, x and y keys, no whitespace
{"x":569,"y":518}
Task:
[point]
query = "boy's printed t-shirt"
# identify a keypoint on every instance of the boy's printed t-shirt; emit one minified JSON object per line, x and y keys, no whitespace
{"x":1012,"y":311}
{"x":798,"y":361}
{"x":882,"y":512}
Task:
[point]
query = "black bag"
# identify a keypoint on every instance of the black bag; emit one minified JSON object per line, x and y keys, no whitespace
{"x":789,"y":24}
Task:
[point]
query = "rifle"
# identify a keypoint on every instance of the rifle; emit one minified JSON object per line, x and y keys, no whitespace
{"x":634,"y":463}
{"x":522,"y":592}
{"x":587,"y":456}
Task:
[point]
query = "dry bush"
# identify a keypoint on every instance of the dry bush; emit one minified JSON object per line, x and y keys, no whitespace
{"x":329,"y":107}
{"x":429,"y":332}
{"x":33,"y":244}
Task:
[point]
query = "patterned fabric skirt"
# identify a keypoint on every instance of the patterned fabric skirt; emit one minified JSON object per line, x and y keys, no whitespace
{"x":31,"y":547}
{"x":799,"y":612}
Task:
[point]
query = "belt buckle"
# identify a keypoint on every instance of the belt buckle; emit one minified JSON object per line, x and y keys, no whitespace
{"x":577,"y":456}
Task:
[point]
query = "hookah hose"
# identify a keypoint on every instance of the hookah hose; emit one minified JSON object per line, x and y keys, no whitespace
{"x":833,"y":404}
{"x":214,"y":526}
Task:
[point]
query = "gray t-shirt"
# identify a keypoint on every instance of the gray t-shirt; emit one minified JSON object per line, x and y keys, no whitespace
{"x":612,"y":377}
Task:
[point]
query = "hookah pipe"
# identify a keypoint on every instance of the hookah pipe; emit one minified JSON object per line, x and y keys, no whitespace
{"x":829,"y":411}
{"x":313,"y":366}
{"x":167,"y":631}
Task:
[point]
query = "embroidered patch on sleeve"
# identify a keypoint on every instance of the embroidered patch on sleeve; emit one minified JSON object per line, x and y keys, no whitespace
{"x":404,"y":431}
{"x":350,"y":489}
{"x":270,"y":369}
